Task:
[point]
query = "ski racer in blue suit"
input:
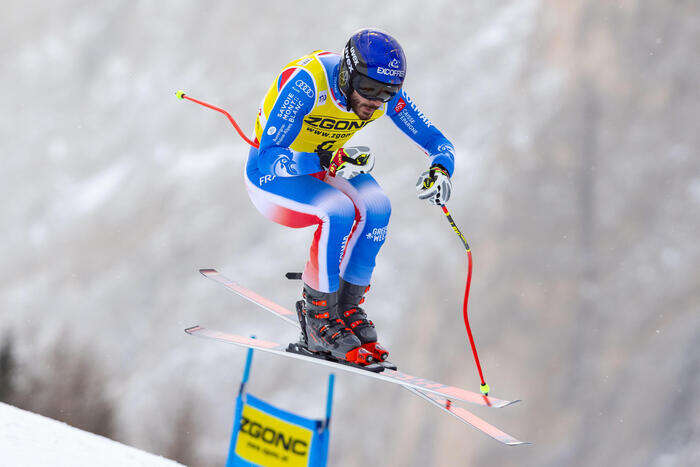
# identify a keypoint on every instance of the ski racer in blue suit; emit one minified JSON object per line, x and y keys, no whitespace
{"x":304,"y":174}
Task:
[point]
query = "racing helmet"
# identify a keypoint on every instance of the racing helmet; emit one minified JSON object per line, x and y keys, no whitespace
{"x":373,"y":64}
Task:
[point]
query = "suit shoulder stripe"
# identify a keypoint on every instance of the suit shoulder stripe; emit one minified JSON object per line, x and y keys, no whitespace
{"x":285,"y":75}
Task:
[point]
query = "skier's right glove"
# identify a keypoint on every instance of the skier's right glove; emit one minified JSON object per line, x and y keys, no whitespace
{"x":347,"y":162}
{"x":434,"y":185}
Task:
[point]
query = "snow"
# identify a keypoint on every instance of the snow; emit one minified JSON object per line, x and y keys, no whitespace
{"x":28,"y":439}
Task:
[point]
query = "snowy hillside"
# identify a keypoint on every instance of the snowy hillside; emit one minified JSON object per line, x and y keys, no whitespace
{"x":28,"y":439}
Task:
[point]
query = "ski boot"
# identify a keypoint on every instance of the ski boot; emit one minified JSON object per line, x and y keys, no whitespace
{"x":350,"y":296}
{"x":324,"y":333}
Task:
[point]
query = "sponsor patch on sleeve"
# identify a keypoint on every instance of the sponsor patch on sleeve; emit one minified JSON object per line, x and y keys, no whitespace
{"x":399,"y":105}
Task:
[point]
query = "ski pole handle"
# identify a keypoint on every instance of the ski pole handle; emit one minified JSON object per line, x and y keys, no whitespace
{"x":182,"y":95}
{"x":454,"y":227}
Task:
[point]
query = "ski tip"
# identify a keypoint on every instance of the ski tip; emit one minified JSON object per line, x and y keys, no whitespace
{"x":293,"y":276}
{"x":495,"y":403}
{"x":518,"y":443}
{"x":207,"y":271}
{"x":192,"y":329}
{"x":507,"y":403}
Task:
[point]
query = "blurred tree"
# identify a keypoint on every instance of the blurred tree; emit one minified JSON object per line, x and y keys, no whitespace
{"x":68,"y":387}
{"x":7,"y":367}
{"x":182,"y":447}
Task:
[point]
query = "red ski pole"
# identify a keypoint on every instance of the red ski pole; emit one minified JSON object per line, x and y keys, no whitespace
{"x":182,"y":95}
{"x":484,"y":386}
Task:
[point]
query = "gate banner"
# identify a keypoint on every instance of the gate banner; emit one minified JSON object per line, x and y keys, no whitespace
{"x":268,"y":436}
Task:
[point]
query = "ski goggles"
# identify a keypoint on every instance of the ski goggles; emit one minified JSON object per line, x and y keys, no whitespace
{"x":374,"y":90}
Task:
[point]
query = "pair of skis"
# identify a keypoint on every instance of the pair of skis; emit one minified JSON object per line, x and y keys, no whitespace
{"x":439,"y":395}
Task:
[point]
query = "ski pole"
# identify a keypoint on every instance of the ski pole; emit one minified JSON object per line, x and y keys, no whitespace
{"x":182,"y":95}
{"x":484,"y":386}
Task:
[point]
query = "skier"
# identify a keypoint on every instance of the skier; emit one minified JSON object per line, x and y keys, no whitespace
{"x":303,"y":174}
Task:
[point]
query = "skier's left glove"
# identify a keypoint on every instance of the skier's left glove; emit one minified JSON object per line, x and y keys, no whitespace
{"x":434,"y":185}
{"x":349,"y":162}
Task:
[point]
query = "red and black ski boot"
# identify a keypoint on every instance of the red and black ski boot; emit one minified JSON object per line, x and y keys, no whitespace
{"x":350,"y":296}
{"x":325,"y":333}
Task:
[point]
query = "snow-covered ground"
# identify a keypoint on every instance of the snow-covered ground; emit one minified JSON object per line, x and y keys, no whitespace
{"x":28,"y":439}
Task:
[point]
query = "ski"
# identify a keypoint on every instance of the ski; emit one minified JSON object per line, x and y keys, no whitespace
{"x":391,"y":376}
{"x":443,"y":404}
{"x":290,"y":317}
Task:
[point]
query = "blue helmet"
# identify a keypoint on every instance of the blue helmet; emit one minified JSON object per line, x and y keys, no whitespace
{"x":373,"y":64}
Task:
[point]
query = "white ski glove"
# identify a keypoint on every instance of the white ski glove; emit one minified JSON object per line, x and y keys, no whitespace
{"x":434,"y":185}
{"x":351,"y":161}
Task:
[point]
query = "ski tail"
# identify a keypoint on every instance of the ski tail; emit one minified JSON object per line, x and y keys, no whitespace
{"x":277,"y":310}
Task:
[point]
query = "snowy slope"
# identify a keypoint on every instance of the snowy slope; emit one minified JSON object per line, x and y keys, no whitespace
{"x":28,"y":439}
